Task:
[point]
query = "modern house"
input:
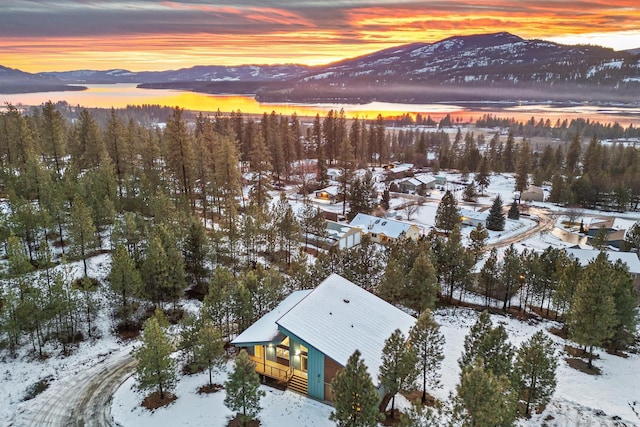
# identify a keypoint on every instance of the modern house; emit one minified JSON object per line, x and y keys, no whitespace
{"x":310,"y":335}
{"x":383,"y":230}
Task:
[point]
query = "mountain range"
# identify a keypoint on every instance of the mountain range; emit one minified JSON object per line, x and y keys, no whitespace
{"x":486,"y":67}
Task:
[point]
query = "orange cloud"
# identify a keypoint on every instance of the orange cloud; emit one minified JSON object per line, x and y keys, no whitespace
{"x":149,"y":35}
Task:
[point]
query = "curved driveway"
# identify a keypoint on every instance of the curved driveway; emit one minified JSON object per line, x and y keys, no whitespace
{"x":82,"y":398}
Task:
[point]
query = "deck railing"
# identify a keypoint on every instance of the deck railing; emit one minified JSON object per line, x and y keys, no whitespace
{"x":273,"y":370}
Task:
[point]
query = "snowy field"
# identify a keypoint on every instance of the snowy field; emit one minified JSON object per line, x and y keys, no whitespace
{"x":610,"y":399}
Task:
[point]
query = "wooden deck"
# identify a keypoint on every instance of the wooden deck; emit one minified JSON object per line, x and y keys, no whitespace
{"x":272,"y":369}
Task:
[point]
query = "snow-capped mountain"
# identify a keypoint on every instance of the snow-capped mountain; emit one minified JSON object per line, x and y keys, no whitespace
{"x":489,"y":66}
{"x":200,"y":73}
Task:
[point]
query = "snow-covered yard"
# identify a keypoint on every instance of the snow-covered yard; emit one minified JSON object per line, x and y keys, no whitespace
{"x":610,"y":399}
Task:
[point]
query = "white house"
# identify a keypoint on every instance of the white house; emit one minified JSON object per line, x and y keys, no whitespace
{"x":473,"y":218}
{"x":382,"y":230}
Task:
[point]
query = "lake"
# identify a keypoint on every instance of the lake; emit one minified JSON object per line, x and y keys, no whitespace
{"x":122,"y":94}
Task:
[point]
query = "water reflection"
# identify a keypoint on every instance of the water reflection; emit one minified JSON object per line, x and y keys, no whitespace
{"x":123,"y":94}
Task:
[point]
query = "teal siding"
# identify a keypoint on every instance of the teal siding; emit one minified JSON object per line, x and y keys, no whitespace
{"x":315,"y":365}
{"x":316,"y":373}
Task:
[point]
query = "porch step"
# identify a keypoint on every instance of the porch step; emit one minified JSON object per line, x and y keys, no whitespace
{"x":298,"y":384}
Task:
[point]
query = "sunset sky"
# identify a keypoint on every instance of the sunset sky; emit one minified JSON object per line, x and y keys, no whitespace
{"x":59,"y":35}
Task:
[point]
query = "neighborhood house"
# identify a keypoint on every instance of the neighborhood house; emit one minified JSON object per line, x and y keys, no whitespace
{"x":310,"y":335}
{"x":382,"y":230}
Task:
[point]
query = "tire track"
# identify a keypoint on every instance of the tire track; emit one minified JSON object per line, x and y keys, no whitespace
{"x":79,"y":399}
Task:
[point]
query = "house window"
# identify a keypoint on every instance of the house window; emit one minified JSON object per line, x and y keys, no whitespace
{"x":282,"y":352}
{"x":374,"y":235}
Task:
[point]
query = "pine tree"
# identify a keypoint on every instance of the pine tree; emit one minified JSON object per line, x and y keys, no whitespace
{"x":535,"y":368}
{"x":495,"y":219}
{"x":156,"y":368}
{"x":362,"y":195}
{"x":82,"y":232}
{"x":488,"y":344}
{"x":209,"y":349}
{"x":422,"y":287}
{"x":592,"y":313}
{"x":632,"y":237}
{"x":488,"y":274}
{"x":600,"y":241}
{"x":523,"y":166}
{"x":478,"y":241}
{"x":514,"y":212}
{"x":243,"y":389}
{"x":482,"y":177}
{"x":427,"y":342}
{"x":196,"y":250}
{"x":484,"y":399}
{"x":447,"y":214}
{"x":470,"y":194}
{"x":626,"y":301}
{"x":398,"y":369}
{"x":355,"y":398}
{"x":124,"y":281}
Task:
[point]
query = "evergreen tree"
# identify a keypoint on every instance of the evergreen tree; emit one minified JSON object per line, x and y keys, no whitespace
{"x":478,"y":237}
{"x":398,"y":369}
{"x":447,"y":214}
{"x":209,"y":349}
{"x":82,"y":232}
{"x":124,"y":281}
{"x":155,"y":369}
{"x":511,"y":275}
{"x":487,"y":277}
{"x":495,"y":219}
{"x":523,"y":166}
{"x":514,"y":212}
{"x":355,"y":398}
{"x":427,"y":342}
{"x":488,"y":344}
{"x":626,"y":303}
{"x":362,"y":196}
{"x":243,"y":389}
{"x":419,"y":415}
{"x":592,"y":313}
{"x":632,"y":237}
{"x":422,"y":287}
{"x":196,"y":250}
{"x":535,"y":366}
{"x":600,"y":241}
{"x":470,"y":194}
{"x":482,"y":177}
{"x":483,"y":398}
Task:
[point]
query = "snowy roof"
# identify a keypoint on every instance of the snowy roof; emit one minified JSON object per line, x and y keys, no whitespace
{"x":471,"y":214}
{"x":265,"y":329}
{"x":584,"y":256}
{"x":425,"y":178}
{"x":401,"y":168}
{"x":332,"y":190}
{"x":338,"y":317}
{"x":336,"y":230}
{"x":373,"y":224}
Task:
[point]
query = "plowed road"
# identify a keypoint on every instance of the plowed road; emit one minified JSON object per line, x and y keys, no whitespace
{"x":82,"y":398}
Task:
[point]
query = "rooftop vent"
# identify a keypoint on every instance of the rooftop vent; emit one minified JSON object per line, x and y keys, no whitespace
{"x":346,"y":300}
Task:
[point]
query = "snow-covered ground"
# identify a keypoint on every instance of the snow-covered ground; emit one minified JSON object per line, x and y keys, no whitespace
{"x":610,"y":399}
